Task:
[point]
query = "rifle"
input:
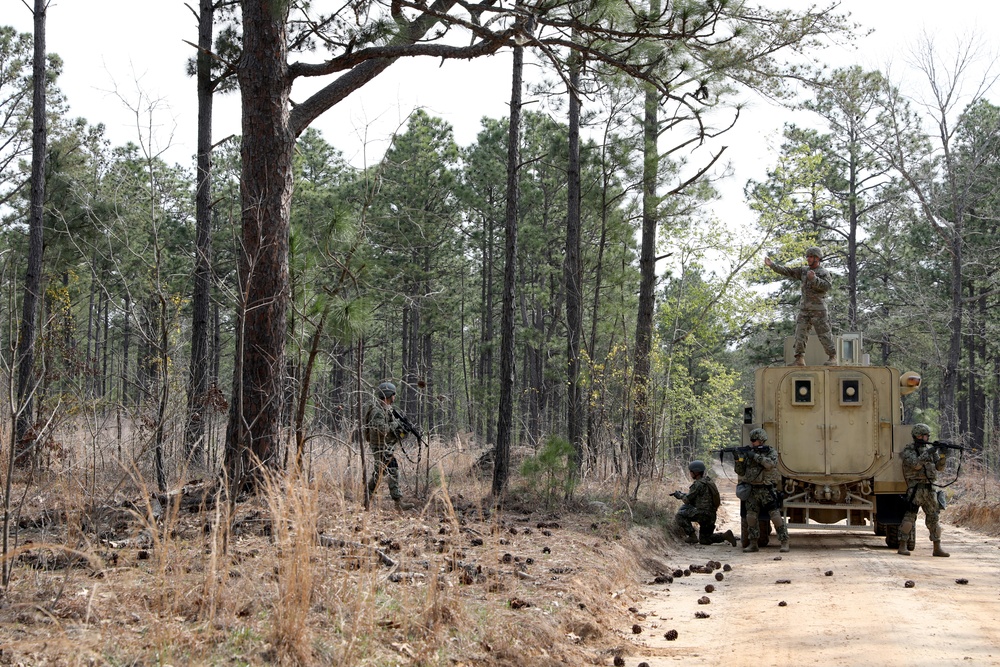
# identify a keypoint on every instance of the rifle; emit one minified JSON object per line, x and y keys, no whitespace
{"x":737,"y":452}
{"x":407,"y":426}
{"x":679,"y":495}
{"x":943,"y":444}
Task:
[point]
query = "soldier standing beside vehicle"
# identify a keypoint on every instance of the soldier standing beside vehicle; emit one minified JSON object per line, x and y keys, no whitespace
{"x":701,"y":504}
{"x":759,"y":468}
{"x":384,"y":430}
{"x":816,"y":282}
{"x":921,"y":463}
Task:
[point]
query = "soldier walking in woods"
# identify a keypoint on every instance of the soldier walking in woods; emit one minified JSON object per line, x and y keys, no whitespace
{"x":816,"y":282}
{"x":759,"y":468}
{"x":384,"y":430}
{"x":921,"y":464}
{"x":701,"y":503}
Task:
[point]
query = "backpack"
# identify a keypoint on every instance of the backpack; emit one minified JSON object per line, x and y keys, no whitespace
{"x":716,"y":498}
{"x":365,"y":430}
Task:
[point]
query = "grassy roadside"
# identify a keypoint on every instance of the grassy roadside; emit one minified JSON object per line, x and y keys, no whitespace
{"x":303,"y":575}
{"x":448,"y":583}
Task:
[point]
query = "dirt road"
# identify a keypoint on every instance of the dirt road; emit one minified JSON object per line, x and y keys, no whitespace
{"x":861,"y":613}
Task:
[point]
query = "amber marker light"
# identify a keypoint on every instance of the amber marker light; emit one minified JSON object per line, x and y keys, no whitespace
{"x":909,"y":382}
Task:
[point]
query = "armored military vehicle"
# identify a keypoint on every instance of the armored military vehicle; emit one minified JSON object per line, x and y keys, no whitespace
{"x":839,"y":432}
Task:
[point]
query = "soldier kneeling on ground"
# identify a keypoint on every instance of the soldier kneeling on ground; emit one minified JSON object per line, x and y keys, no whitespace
{"x":701,"y":503}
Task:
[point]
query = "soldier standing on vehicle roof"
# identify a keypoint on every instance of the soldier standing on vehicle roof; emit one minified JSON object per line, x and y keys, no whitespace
{"x":921,"y":463}
{"x":759,"y":468}
{"x":383,"y":431}
{"x":816,"y":282}
{"x":701,"y":504}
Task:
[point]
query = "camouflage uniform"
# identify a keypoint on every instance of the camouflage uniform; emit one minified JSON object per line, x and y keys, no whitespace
{"x":383,"y":431}
{"x":920,"y":467}
{"x":812,"y":306}
{"x":760,"y":470}
{"x":700,"y":505}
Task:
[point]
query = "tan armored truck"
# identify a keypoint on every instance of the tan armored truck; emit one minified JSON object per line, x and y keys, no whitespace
{"x":838,"y":432}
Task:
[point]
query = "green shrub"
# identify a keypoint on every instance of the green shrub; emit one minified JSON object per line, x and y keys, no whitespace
{"x":551,"y":469}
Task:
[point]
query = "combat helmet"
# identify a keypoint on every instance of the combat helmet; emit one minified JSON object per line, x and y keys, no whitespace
{"x":758,"y":434}
{"x":815,"y":251}
{"x":919,"y":430}
{"x":385,"y":390}
{"x":697,"y":466}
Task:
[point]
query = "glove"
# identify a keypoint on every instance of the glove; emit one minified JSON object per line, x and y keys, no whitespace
{"x":678,"y":495}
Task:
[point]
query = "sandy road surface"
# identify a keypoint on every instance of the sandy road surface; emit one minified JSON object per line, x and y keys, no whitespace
{"x":862,"y":614}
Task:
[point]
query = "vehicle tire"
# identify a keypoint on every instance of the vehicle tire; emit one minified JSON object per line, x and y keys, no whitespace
{"x":892,"y":537}
{"x":879,"y":529}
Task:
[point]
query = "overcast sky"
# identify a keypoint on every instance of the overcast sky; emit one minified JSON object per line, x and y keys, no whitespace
{"x":137,"y":48}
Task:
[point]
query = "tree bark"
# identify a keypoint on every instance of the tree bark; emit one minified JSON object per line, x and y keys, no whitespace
{"x":641,"y":446}
{"x":978,"y":403}
{"x":572,"y":274}
{"x":105,"y":380}
{"x":303,"y":398}
{"x":486,"y":344}
{"x":501,"y":458}
{"x":163,"y":391}
{"x":27,"y":334}
{"x":949,"y":383}
{"x":194,"y":432}
{"x":852,"y":242}
{"x":126,"y":345}
{"x":252,"y":435}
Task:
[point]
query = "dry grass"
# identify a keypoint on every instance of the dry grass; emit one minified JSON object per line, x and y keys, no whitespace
{"x":302,"y":575}
{"x":975,"y":501}
{"x":449,"y":583}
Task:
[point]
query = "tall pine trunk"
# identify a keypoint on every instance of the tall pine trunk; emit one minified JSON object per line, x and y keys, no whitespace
{"x":852,"y":246}
{"x":253,"y":432}
{"x":572,"y":273}
{"x":487,"y":338}
{"x":642,"y":422}
{"x":197,"y":390}
{"x":33,"y":274}
{"x":501,"y":458}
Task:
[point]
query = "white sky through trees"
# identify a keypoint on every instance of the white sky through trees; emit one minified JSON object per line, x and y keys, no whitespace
{"x":138,"y":48}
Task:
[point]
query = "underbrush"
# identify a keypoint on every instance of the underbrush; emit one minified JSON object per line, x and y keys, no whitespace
{"x":301,"y":574}
{"x":975,"y":501}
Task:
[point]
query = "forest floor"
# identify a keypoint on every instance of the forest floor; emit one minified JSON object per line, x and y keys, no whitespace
{"x":594,"y":581}
{"x":307,"y":576}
